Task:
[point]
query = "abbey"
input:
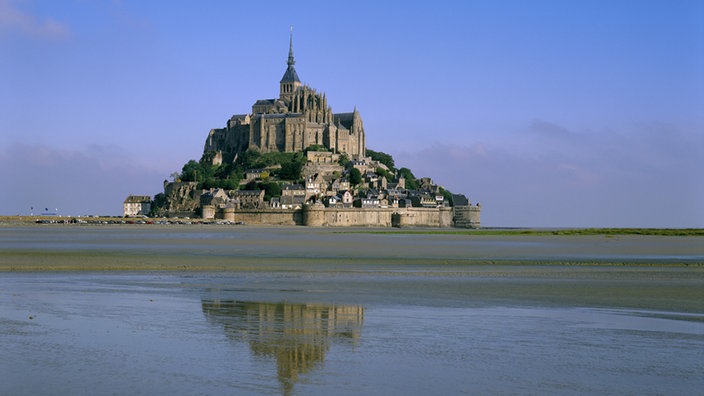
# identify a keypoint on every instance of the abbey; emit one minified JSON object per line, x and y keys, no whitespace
{"x":326,"y":178}
{"x":298,"y":119}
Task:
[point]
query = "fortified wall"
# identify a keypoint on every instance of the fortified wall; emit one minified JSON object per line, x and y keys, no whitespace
{"x":317,"y":215}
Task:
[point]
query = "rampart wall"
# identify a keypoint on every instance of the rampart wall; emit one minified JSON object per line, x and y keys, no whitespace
{"x":319,"y":216}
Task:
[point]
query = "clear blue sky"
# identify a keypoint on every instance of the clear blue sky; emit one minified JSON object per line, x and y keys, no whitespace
{"x":549,"y":113}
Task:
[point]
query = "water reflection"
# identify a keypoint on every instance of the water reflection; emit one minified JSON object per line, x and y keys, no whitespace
{"x":296,"y":335}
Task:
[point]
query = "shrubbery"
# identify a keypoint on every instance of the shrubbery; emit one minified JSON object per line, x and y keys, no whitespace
{"x":228,"y":176}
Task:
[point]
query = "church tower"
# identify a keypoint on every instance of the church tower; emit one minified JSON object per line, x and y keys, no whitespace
{"x":289,"y":82}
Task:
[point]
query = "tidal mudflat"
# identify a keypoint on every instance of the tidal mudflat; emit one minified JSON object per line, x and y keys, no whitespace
{"x":246,"y":310}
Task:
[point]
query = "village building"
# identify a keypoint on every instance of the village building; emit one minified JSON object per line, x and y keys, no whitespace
{"x":248,"y":199}
{"x":137,"y":205}
{"x":293,"y":196}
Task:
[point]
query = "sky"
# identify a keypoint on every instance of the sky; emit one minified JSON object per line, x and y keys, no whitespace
{"x":549,"y":113}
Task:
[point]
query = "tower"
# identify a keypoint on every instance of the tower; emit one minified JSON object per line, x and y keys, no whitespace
{"x":290,"y":81}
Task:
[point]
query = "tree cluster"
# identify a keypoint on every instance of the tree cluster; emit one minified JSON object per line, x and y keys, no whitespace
{"x":290,"y":166}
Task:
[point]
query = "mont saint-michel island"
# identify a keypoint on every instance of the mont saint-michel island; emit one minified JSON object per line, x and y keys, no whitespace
{"x":293,"y":161}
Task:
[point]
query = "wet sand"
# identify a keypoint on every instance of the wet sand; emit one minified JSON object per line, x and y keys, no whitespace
{"x":124,"y":247}
{"x":637,"y":271}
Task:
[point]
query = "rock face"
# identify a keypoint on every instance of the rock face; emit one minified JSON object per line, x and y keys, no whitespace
{"x":183,"y":199}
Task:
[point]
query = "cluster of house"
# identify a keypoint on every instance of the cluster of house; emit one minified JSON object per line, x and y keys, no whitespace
{"x":328,"y":182}
{"x":325,"y":181}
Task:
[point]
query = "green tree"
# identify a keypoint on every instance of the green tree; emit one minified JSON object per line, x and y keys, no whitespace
{"x":191,"y":171}
{"x":355,"y":176}
{"x":158,"y":205}
{"x":344,"y":160}
{"x":291,"y":170}
{"x":384,"y":158}
{"x":249,"y":159}
{"x":271,"y":190}
{"x":252,"y":185}
{"x":383,"y":172}
{"x":411,"y":181}
{"x":447,"y":195}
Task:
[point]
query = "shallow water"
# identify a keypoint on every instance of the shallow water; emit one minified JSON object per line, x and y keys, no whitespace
{"x":277,"y":333}
{"x":310,"y":312}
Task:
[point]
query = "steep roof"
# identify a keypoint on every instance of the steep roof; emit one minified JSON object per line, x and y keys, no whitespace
{"x":344,"y":119}
{"x":460,"y":200}
{"x":290,"y":75}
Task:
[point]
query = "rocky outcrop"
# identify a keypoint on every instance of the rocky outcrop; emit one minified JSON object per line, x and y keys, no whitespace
{"x":183,"y":199}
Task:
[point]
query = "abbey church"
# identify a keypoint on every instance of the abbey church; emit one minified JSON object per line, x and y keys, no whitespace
{"x":299,"y":118}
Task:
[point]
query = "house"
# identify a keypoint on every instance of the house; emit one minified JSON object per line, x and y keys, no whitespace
{"x":248,"y":199}
{"x":439,"y":200}
{"x":315,"y":185}
{"x":333,"y":201}
{"x":366,"y":202}
{"x":422,"y":200}
{"x":137,"y":205}
{"x":293,"y":196}
{"x":346,"y":198}
{"x":340,"y":185}
{"x":292,"y":201}
{"x":371,"y":177}
{"x":428,"y":201}
{"x":215,"y":196}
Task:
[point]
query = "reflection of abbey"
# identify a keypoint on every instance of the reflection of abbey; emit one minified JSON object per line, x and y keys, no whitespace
{"x":299,"y":118}
{"x":292,"y":161}
{"x":297,"y":336}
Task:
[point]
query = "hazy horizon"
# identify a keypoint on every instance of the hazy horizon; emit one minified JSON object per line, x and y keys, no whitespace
{"x":551,"y":114}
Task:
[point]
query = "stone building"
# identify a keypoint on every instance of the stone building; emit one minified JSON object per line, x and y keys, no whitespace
{"x":298,"y":118}
{"x":137,"y":205}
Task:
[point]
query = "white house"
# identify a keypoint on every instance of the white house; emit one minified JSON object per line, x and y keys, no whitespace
{"x":137,"y":205}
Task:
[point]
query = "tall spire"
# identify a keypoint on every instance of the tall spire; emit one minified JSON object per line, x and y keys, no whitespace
{"x":291,"y":61}
{"x":289,"y":82}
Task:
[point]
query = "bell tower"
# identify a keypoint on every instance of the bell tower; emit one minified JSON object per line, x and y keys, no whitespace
{"x":289,"y":82}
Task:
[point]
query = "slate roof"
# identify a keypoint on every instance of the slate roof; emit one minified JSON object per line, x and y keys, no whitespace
{"x":459,"y":200}
{"x":264,"y":102}
{"x":344,"y":119}
{"x":290,"y":75}
{"x":138,"y":199}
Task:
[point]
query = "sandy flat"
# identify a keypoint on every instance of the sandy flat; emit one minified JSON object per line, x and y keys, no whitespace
{"x":64,"y":247}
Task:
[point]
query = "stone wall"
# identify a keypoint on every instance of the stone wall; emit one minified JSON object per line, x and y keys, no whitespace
{"x":423,"y":217}
{"x":286,"y":217}
{"x":319,"y":216}
{"x":467,"y":216}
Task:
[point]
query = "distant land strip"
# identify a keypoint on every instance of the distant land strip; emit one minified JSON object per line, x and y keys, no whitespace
{"x":541,"y":232}
{"x":32,"y":261}
{"x":508,"y":231}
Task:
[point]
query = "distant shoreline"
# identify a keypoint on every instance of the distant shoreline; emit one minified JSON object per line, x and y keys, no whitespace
{"x":496,"y":231}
